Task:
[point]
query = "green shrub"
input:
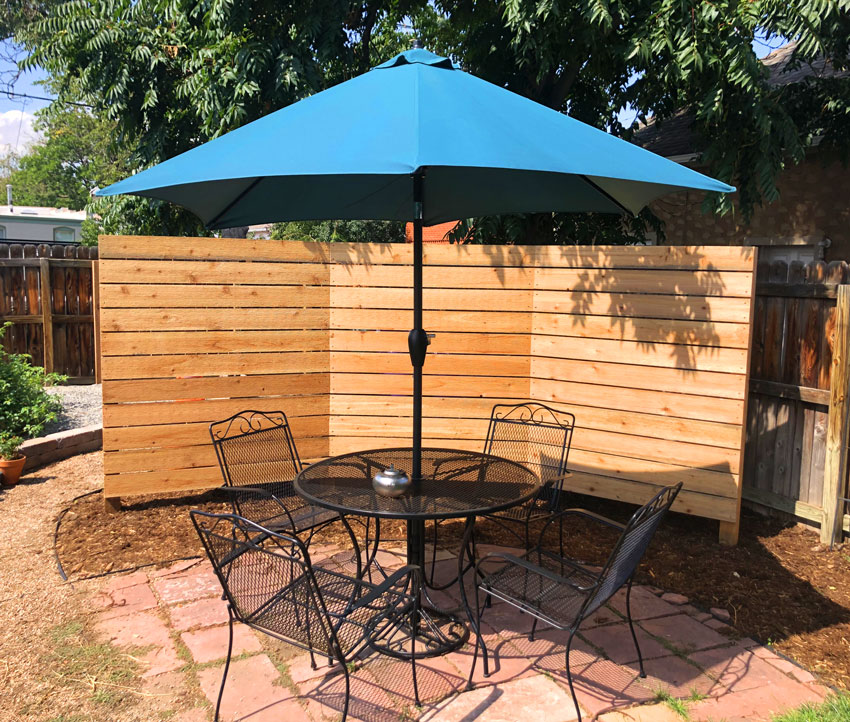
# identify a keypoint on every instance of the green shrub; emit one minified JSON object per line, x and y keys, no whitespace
{"x":25,"y":406}
{"x":10,"y":446}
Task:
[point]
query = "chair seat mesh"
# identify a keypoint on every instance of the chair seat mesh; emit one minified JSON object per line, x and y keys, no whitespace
{"x":558,"y":601}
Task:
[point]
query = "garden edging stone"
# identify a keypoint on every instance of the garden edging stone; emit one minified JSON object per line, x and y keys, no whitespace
{"x":61,"y":445}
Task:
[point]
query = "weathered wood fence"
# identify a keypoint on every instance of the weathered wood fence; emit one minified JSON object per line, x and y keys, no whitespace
{"x":46,"y":291}
{"x":790,"y":463}
{"x":649,"y":347}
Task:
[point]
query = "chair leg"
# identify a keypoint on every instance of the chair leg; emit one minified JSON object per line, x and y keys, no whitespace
{"x":533,"y":627}
{"x":570,"y":676}
{"x":632,"y":626}
{"x":479,"y":642}
{"x":226,"y":662}
{"x":347,"y":690}
{"x":413,"y":625}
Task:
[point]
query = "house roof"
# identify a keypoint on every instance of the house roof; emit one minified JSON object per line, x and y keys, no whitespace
{"x":674,"y":137}
{"x":42,"y":213}
{"x":431,"y":234}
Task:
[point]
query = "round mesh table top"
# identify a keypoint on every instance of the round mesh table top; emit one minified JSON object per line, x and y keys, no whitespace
{"x":455,"y":483}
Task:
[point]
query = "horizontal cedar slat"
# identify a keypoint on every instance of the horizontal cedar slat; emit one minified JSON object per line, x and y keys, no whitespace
{"x":396,"y":341}
{"x":698,"y":308}
{"x":215,"y":387}
{"x":639,"y":492}
{"x":686,"y":406}
{"x":345,"y":383}
{"x":620,"y":444}
{"x":665,"y":282}
{"x":213,"y":364}
{"x":697,"y":431}
{"x":194,"y":434}
{"x":686,"y":358}
{"x":439,"y":364}
{"x":655,"y":378}
{"x":218,"y":319}
{"x":176,"y":412}
{"x":727,"y":258}
{"x":166,"y":342}
{"x":636,"y":305}
{"x":213,"y":272}
{"x":128,"y":295}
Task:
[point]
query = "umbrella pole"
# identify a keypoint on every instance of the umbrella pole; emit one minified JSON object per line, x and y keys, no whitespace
{"x":417,"y":341}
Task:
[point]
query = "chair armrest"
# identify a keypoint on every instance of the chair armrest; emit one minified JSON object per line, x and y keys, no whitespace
{"x":592,"y":516}
{"x":407,"y":572}
{"x":559,"y":517}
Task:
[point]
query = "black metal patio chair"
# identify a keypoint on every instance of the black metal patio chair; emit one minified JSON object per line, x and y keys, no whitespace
{"x":539,"y":437}
{"x":259,"y":460}
{"x":562,"y":592}
{"x":270,"y":585}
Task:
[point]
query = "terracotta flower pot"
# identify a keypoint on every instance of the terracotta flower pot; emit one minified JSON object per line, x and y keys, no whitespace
{"x":11,"y":470}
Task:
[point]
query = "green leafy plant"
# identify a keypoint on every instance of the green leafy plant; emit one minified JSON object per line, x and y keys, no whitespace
{"x":10,"y":446}
{"x":25,"y":405}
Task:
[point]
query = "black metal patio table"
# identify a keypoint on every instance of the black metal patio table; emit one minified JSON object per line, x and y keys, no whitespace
{"x":453,"y":484}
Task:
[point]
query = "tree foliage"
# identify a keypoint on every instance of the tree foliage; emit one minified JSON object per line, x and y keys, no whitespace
{"x":343,"y":231}
{"x":75,"y":156}
{"x":174,"y":73}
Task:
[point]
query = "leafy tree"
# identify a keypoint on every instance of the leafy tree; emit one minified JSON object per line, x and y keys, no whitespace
{"x":74,"y":157}
{"x":592,"y":58}
{"x":344,"y":231}
{"x":174,"y":73}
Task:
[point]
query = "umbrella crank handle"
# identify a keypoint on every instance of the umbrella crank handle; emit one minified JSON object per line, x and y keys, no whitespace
{"x":417,"y":343}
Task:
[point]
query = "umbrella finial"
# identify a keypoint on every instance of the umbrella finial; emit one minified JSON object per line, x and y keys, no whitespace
{"x":417,"y":44}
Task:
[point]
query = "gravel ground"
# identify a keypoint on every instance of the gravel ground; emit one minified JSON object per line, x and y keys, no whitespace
{"x":82,"y":406}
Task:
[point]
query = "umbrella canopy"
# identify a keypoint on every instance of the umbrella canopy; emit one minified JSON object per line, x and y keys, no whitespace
{"x":349,"y":153}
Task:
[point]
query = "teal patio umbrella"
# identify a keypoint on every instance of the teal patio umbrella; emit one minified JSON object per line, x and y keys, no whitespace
{"x":414,"y":139}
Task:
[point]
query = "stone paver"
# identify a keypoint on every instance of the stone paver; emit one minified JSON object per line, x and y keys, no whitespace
{"x":192,"y":585}
{"x":147,"y":631}
{"x":203,"y":613}
{"x":644,"y":604}
{"x":616,"y":641}
{"x":253,"y":691}
{"x":208,"y":645}
{"x":531,"y":698}
{"x":684,"y":632}
{"x":684,"y":651}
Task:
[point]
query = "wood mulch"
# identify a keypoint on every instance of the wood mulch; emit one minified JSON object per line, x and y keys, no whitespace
{"x":779,"y":585}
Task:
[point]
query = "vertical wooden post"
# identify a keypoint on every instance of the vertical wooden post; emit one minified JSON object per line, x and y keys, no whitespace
{"x":729,"y":530}
{"x":835,"y":470}
{"x":95,"y":308}
{"x":46,"y":313}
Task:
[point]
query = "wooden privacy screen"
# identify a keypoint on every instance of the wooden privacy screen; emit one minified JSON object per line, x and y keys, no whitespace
{"x":648,"y":346}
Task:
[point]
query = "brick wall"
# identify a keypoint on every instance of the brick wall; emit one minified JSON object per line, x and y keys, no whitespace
{"x":814,"y":203}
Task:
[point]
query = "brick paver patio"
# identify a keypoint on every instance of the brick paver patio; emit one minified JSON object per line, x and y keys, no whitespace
{"x":176,"y":618}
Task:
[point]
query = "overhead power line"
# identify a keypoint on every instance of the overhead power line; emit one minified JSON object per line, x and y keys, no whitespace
{"x":13,"y":94}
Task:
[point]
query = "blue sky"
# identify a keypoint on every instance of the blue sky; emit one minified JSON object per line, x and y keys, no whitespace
{"x":16,"y":114}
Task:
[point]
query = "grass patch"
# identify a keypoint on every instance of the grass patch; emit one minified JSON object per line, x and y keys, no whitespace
{"x":680,"y":707}
{"x":103,"y":673}
{"x":695,"y":695}
{"x":833,"y":709}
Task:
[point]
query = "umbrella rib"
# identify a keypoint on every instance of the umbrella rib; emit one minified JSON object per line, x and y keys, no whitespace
{"x":234,"y":201}
{"x":605,"y":193}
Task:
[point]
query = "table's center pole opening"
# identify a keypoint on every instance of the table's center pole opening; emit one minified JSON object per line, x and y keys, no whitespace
{"x":417,"y":340}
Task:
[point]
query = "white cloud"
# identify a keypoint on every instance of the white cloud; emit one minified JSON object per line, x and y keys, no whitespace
{"x":16,"y":131}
